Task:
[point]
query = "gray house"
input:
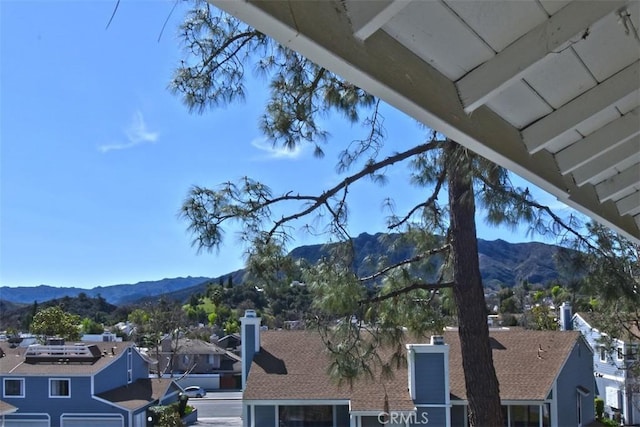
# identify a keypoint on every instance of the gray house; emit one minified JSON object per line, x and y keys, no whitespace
{"x":102,"y":384}
{"x":546,"y":379}
{"x":615,"y":383}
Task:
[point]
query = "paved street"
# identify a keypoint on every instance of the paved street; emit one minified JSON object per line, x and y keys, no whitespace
{"x":219,"y":408}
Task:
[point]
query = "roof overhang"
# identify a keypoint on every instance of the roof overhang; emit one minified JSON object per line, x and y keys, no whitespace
{"x":549,"y":89}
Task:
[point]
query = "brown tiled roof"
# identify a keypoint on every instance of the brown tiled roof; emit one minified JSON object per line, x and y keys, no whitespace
{"x":139,"y":393}
{"x":13,"y":361}
{"x":6,"y":408}
{"x":524,"y":372}
{"x":293,"y":365}
{"x":196,"y":346}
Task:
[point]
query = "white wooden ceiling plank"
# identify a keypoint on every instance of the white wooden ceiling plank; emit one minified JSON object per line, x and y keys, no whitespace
{"x":618,"y":184}
{"x":608,"y":48}
{"x":598,"y":120}
{"x":596,"y":144}
{"x":627,"y":151}
{"x":439,"y":37}
{"x":499,"y":23}
{"x":629,"y":205}
{"x":367,"y":17}
{"x":541,"y":133}
{"x":562,"y":70}
{"x":629,"y":102}
{"x":511,"y":63}
{"x":519,"y":105}
{"x":552,"y":6}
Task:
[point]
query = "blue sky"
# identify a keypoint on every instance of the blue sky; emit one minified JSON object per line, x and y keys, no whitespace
{"x":96,"y":154}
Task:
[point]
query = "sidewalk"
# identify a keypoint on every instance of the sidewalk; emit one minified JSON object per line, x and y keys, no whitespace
{"x":223,"y":395}
{"x":219,"y":422}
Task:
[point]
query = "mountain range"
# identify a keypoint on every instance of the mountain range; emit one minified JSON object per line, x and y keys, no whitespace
{"x":501,"y":264}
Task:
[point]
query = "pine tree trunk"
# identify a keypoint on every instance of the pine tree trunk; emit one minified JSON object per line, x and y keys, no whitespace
{"x":483,"y":392}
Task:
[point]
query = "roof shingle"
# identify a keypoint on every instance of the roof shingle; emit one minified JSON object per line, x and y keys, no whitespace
{"x":293,"y":365}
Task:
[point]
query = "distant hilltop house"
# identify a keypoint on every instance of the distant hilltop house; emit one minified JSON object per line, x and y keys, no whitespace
{"x":615,"y":383}
{"x":106,"y":336}
{"x":546,"y":379}
{"x":102,"y":384}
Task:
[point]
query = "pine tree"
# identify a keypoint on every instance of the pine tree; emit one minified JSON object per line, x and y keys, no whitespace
{"x":355,"y":315}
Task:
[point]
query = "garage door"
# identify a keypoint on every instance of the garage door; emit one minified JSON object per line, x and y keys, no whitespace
{"x":26,"y":420}
{"x":93,"y":420}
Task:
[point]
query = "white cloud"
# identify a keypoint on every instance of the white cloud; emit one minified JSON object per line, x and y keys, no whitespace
{"x":277,"y":152}
{"x":137,"y":133}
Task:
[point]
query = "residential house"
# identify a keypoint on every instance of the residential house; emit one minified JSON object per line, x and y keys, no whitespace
{"x":197,"y":357}
{"x":102,"y":384}
{"x":615,"y":383}
{"x":229,"y":342}
{"x":546,"y":379}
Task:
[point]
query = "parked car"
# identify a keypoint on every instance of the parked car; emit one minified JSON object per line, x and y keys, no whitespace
{"x":194,"y":391}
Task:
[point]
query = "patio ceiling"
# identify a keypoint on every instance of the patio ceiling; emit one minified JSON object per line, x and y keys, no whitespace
{"x":549,"y":89}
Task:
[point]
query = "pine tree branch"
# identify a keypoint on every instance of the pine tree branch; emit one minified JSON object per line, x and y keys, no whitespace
{"x":407,"y":289}
{"x":430,"y":202}
{"x":407,"y":261}
{"x":556,"y":219}
{"x":367,"y":170}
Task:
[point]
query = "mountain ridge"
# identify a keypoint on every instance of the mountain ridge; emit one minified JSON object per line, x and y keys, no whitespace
{"x":501,"y":263}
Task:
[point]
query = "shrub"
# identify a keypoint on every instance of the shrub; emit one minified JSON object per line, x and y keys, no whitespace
{"x":609,"y":422}
{"x":599,"y":405}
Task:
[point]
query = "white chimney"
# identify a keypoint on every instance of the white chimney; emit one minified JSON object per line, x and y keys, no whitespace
{"x":566,"y":323}
{"x":250,"y":336}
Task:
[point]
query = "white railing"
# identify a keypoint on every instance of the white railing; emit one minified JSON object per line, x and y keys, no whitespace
{"x":39,"y":350}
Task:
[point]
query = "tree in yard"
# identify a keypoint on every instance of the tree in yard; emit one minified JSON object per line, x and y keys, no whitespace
{"x":158,"y":321}
{"x":612,"y":275}
{"x":355,"y":315}
{"x":54,"y":321}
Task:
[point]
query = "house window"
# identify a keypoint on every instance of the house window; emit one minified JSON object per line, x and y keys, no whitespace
{"x":620,"y":353}
{"x":59,"y":387}
{"x":603,"y":354}
{"x":632,"y":352}
{"x":524,"y":416}
{"x":14,"y":387}
{"x":129,"y":365}
{"x":579,"y":409}
{"x":210,"y":359}
{"x":306,"y":416}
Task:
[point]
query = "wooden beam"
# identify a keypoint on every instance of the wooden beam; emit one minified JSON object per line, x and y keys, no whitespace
{"x":570,"y":22}
{"x":598,"y":143}
{"x":542,"y":133}
{"x":367,"y":17}
{"x":619,"y":183}
{"x":588,"y":172}
{"x":629,"y":205}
